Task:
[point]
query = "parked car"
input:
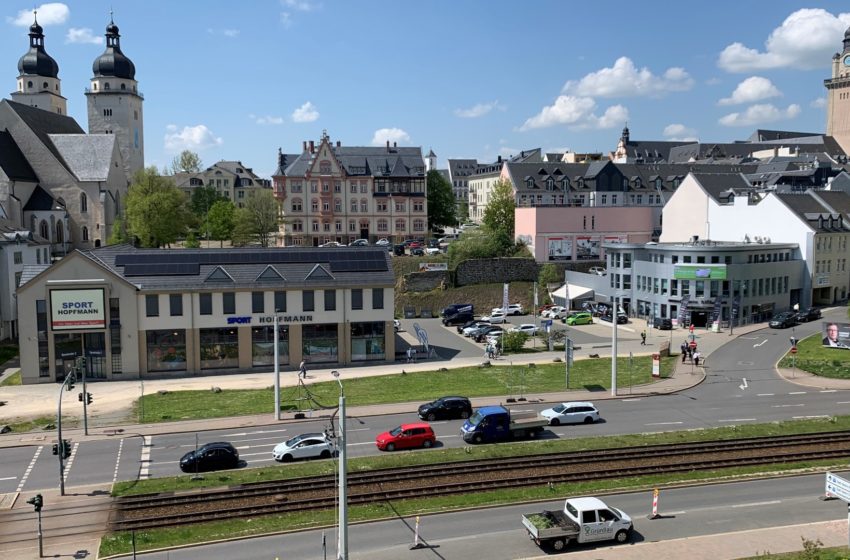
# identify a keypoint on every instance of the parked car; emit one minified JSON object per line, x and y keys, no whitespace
{"x":513,"y":309}
{"x":662,"y":323}
{"x":571,"y":413}
{"x":622,"y":318}
{"x":471,"y":324}
{"x":484,"y":332}
{"x":578,"y":318}
{"x":446,"y":408}
{"x":431,"y":251}
{"x":359,"y":243}
{"x":417,"y":251}
{"x":598,"y":270}
{"x":473,"y":329}
{"x":332,"y":244}
{"x":496,"y":317}
{"x":384,"y":242}
{"x":304,"y":446}
{"x":458,"y":318}
{"x":398,"y":250}
{"x":555,"y":312}
{"x":528,"y":328}
{"x":453,"y":308}
{"x":810,"y":314}
{"x":783,"y":320}
{"x":210,"y":457}
{"x":406,"y":436}
{"x":434,"y":243}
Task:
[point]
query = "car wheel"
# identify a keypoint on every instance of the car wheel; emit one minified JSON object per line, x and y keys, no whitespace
{"x":431,"y":417}
{"x":428,"y":443}
{"x":559,"y":544}
{"x":622,"y":536}
{"x":588,"y":420}
{"x":325,"y":454}
{"x":390,"y":447}
{"x":477,"y":438}
{"x":286,"y":458}
{"x":464,"y":415}
{"x":554,"y":422}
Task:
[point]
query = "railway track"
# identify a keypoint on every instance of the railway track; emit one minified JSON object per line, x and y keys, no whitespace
{"x":314,"y":493}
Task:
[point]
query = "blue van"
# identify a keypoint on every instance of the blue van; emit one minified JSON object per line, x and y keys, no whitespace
{"x":455,"y":308}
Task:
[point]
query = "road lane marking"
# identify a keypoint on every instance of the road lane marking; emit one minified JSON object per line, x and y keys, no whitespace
{"x":826,"y":391}
{"x":74,"y":448}
{"x":843,"y":402}
{"x":797,"y":393}
{"x":240,"y":434}
{"x":811,"y":417}
{"x":757,"y":504}
{"x":9,"y":478}
{"x":117,"y":460}
{"x":766,"y":394}
{"x":631,"y":400}
{"x":29,"y":469}
{"x":744,"y":384}
{"x":663,"y":423}
{"x":145,"y":460}
{"x":786,"y":405}
{"x":739,"y":420}
{"x":760,"y":343}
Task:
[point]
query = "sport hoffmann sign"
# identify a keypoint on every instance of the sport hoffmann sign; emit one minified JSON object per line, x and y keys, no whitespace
{"x":77,"y":309}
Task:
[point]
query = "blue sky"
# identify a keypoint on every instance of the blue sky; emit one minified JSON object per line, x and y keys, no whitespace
{"x":237,"y":80}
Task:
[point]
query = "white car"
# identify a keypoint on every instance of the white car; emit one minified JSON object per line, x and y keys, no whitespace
{"x":513,"y":309}
{"x":305,"y":446}
{"x":554,"y":312}
{"x":598,"y":270}
{"x":496,"y":317}
{"x":432,"y":250}
{"x":332,"y":244}
{"x":571,"y":413}
{"x":528,"y":328}
{"x":383,"y":242}
{"x":468,"y":330}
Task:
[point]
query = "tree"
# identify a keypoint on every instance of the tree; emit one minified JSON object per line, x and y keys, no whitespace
{"x":549,"y":274}
{"x":479,"y":244}
{"x":118,"y":234}
{"x":187,"y":162}
{"x":258,"y":220}
{"x":499,"y":213}
{"x":203,"y":199}
{"x":442,"y":210}
{"x":463,"y":212}
{"x":157,"y":213}
{"x":220,"y":221}
{"x":192,"y":241}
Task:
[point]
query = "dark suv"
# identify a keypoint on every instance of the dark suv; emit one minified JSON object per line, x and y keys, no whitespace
{"x":810,"y":314}
{"x":210,"y":457}
{"x":662,"y":324}
{"x":446,"y":408}
{"x":458,"y":318}
{"x":783,"y":320}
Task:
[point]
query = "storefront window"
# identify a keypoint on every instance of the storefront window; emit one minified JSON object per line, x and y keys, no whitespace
{"x":219,"y":348}
{"x":66,"y":348}
{"x":320,"y":343}
{"x":368,"y":341}
{"x":41,"y":325}
{"x":262,"y":345}
{"x":166,"y":350}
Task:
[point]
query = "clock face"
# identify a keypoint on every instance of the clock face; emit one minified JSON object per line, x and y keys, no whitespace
{"x":847,"y":60}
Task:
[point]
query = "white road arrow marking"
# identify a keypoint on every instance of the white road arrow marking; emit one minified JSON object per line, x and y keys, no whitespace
{"x":759,"y":344}
{"x":744,"y":384}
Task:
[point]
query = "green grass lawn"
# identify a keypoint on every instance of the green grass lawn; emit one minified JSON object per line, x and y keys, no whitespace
{"x":811,"y":551}
{"x":502,"y":380}
{"x":146,"y":540}
{"x":14,"y":379}
{"x":813,"y":357}
{"x":31,"y":424}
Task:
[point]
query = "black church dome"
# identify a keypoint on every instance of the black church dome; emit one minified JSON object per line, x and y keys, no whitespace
{"x":113,"y":63}
{"x":36,"y":61}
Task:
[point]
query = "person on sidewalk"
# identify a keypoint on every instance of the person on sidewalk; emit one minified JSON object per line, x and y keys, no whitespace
{"x":696,"y":358}
{"x":684,"y":349}
{"x":409,"y":354}
{"x":643,"y":337}
{"x":302,"y":370}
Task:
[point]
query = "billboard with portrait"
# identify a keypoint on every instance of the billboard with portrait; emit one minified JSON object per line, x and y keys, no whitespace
{"x":77,"y":309}
{"x":560,"y":249}
{"x":836,"y":335}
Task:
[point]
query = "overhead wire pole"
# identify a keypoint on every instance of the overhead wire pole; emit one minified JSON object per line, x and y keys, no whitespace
{"x":276,"y":367}
{"x":342,"y":546}
{"x":614,"y":314}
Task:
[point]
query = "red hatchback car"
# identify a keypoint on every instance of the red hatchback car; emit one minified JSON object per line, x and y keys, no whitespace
{"x":406,"y":436}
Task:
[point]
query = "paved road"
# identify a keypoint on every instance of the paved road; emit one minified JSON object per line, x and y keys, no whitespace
{"x":497,"y":534}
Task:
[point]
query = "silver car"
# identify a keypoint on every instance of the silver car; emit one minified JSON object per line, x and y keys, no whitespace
{"x":304,"y":446}
{"x":571,"y":413}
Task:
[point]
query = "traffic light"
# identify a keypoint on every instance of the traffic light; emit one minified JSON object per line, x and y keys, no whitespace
{"x":56,"y":449}
{"x":71,"y":380}
{"x":89,"y":398}
{"x":66,"y":448}
{"x":81,"y":362}
{"x":80,"y":397}
{"x":37,"y":502}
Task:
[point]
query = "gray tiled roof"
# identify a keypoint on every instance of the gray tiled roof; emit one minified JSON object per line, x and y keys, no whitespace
{"x":838,"y":201}
{"x":87,"y":156}
{"x":651,"y":150}
{"x":805,"y":145}
{"x":462,"y":167}
{"x":720,"y":185}
{"x":43,"y":122}
{"x":30,"y":271}
{"x":367,"y":161}
{"x":768,"y":135}
{"x":12,"y":160}
{"x":251,"y":263}
{"x":808,"y":208}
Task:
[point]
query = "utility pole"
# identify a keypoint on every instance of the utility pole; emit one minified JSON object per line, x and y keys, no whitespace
{"x":276,"y":367}
{"x":614,"y":316}
{"x":342,"y":547}
{"x":81,"y":366}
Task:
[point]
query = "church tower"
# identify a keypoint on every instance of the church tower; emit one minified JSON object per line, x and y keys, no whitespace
{"x":38,"y":76}
{"x":115,"y":104}
{"x":838,"y":96}
{"x":431,"y":161}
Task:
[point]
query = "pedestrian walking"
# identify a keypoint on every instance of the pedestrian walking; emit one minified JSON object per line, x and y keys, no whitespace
{"x":684,"y":349}
{"x":643,"y":338}
{"x":409,"y":354}
{"x":302,"y":370}
{"x":696,"y":358}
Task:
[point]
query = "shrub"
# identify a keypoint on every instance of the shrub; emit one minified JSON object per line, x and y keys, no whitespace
{"x":513,"y":341}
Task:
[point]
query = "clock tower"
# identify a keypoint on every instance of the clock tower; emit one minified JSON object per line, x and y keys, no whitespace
{"x":838,"y":96}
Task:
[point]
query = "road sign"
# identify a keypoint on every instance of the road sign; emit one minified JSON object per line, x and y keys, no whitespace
{"x":794,"y":351}
{"x":693,"y":344}
{"x":691,"y":328}
{"x":838,"y":487}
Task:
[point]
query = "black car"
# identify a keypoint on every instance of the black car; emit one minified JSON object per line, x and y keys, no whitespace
{"x":446,"y":408}
{"x":662,"y":324}
{"x":471,"y":323}
{"x":810,"y":314}
{"x":622,"y":318}
{"x":783,"y":320}
{"x":210,"y":457}
{"x":434,"y":243}
{"x":457,"y":318}
{"x":398,"y":250}
{"x":417,"y":252}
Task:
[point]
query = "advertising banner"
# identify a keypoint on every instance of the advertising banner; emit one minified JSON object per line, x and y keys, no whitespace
{"x":836,"y":335}
{"x":77,"y":309}
{"x":699,"y":271}
{"x":587,"y":248}
{"x":560,"y":249}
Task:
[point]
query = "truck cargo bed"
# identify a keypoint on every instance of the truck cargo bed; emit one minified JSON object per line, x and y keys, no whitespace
{"x":549,"y":525}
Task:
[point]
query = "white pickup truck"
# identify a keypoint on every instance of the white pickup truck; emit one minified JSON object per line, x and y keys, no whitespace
{"x":582,"y":519}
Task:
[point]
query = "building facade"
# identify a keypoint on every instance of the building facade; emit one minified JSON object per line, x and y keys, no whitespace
{"x":38,"y":76}
{"x":331,"y":192}
{"x":231,"y":180}
{"x":137,"y":312}
{"x":838,"y":96}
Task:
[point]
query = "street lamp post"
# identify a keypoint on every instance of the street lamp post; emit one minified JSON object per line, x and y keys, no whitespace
{"x":392,"y":240}
{"x":614,"y":316}
{"x":276,"y":367}
{"x":342,"y":546}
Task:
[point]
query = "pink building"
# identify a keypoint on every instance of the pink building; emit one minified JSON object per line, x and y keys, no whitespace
{"x":576,"y":233}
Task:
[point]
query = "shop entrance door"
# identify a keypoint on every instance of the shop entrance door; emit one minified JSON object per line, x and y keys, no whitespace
{"x":699,"y":318}
{"x":95,"y":348}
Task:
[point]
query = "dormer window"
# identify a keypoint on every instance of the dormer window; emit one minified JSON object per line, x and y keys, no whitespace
{"x":529,"y":183}
{"x":565,"y":183}
{"x":659,"y":183}
{"x":550,"y":184}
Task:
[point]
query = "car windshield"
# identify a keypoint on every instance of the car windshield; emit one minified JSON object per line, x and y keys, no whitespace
{"x":476,"y":418}
{"x":296,"y":439}
{"x":396,"y":431}
{"x":559,"y":409}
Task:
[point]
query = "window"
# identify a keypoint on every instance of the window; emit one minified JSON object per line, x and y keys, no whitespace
{"x":297,"y":225}
{"x":152,"y":305}
{"x":338,"y":225}
{"x":280,"y":302}
{"x":354,"y":206}
{"x":258,"y":302}
{"x":85,"y":233}
{"x":377,"y":298}
{"x":337,"y":187}
{"x":357,"y":298}
{"x":314,"y":226}
{"x":228,"y":300}
{"x":84,"y":203}
{"x":175,"y":303}
{"x":326,"y":206}
{"x":352,"y":226}
{"x":364,"y":205}
{"x":325,"y":167}
{"x":314,"y":205}
{"x":330,"y":300}
{"x":307,"y":303}
{"x":353,"y":188}
{"x":337,"y":205}
{"x":19,"y":257}
{"x":314,"y":186}
{"x":205,"y":304}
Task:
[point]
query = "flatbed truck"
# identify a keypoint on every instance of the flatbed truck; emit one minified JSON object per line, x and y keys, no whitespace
{"x":582,"y":520}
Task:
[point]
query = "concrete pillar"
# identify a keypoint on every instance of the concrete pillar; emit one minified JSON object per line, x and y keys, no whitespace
{"x":296,"y":349}
{"x":246,"y":357}
{"x":389,"y":341}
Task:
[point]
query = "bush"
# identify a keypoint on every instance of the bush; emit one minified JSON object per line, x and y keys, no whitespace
{"x":513,"y":341}
{"x":480,"y":244}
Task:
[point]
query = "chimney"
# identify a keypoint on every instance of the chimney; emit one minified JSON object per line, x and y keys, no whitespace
{"x":499,"y":160}
{"x":395,"y":144}
{"x":312,"y":147}
{"x":279,"y":157}
{"x":338,"y":143}
{"x":388,"y":144}
{"x":304,"y":146}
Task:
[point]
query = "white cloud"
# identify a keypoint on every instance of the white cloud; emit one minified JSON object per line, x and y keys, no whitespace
{"x":230,"y":32}
{"x":479,"y":110}
{"x":760,"y":114}
{"x":577,"y":113}
{"x":265,"y":119}
{"x":300,"y":5}
{"x":818,"y":103}
{"x":384,"y":135}
{"x":83,"y":35}
{"x":53,"y":13}
{"x":754,"y":88}
{"x":625,"y":80}
{"x":806,"y":39}
{"x":195,"y":138}
{"x":305,"y":113}
{"x":677,"y":132}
